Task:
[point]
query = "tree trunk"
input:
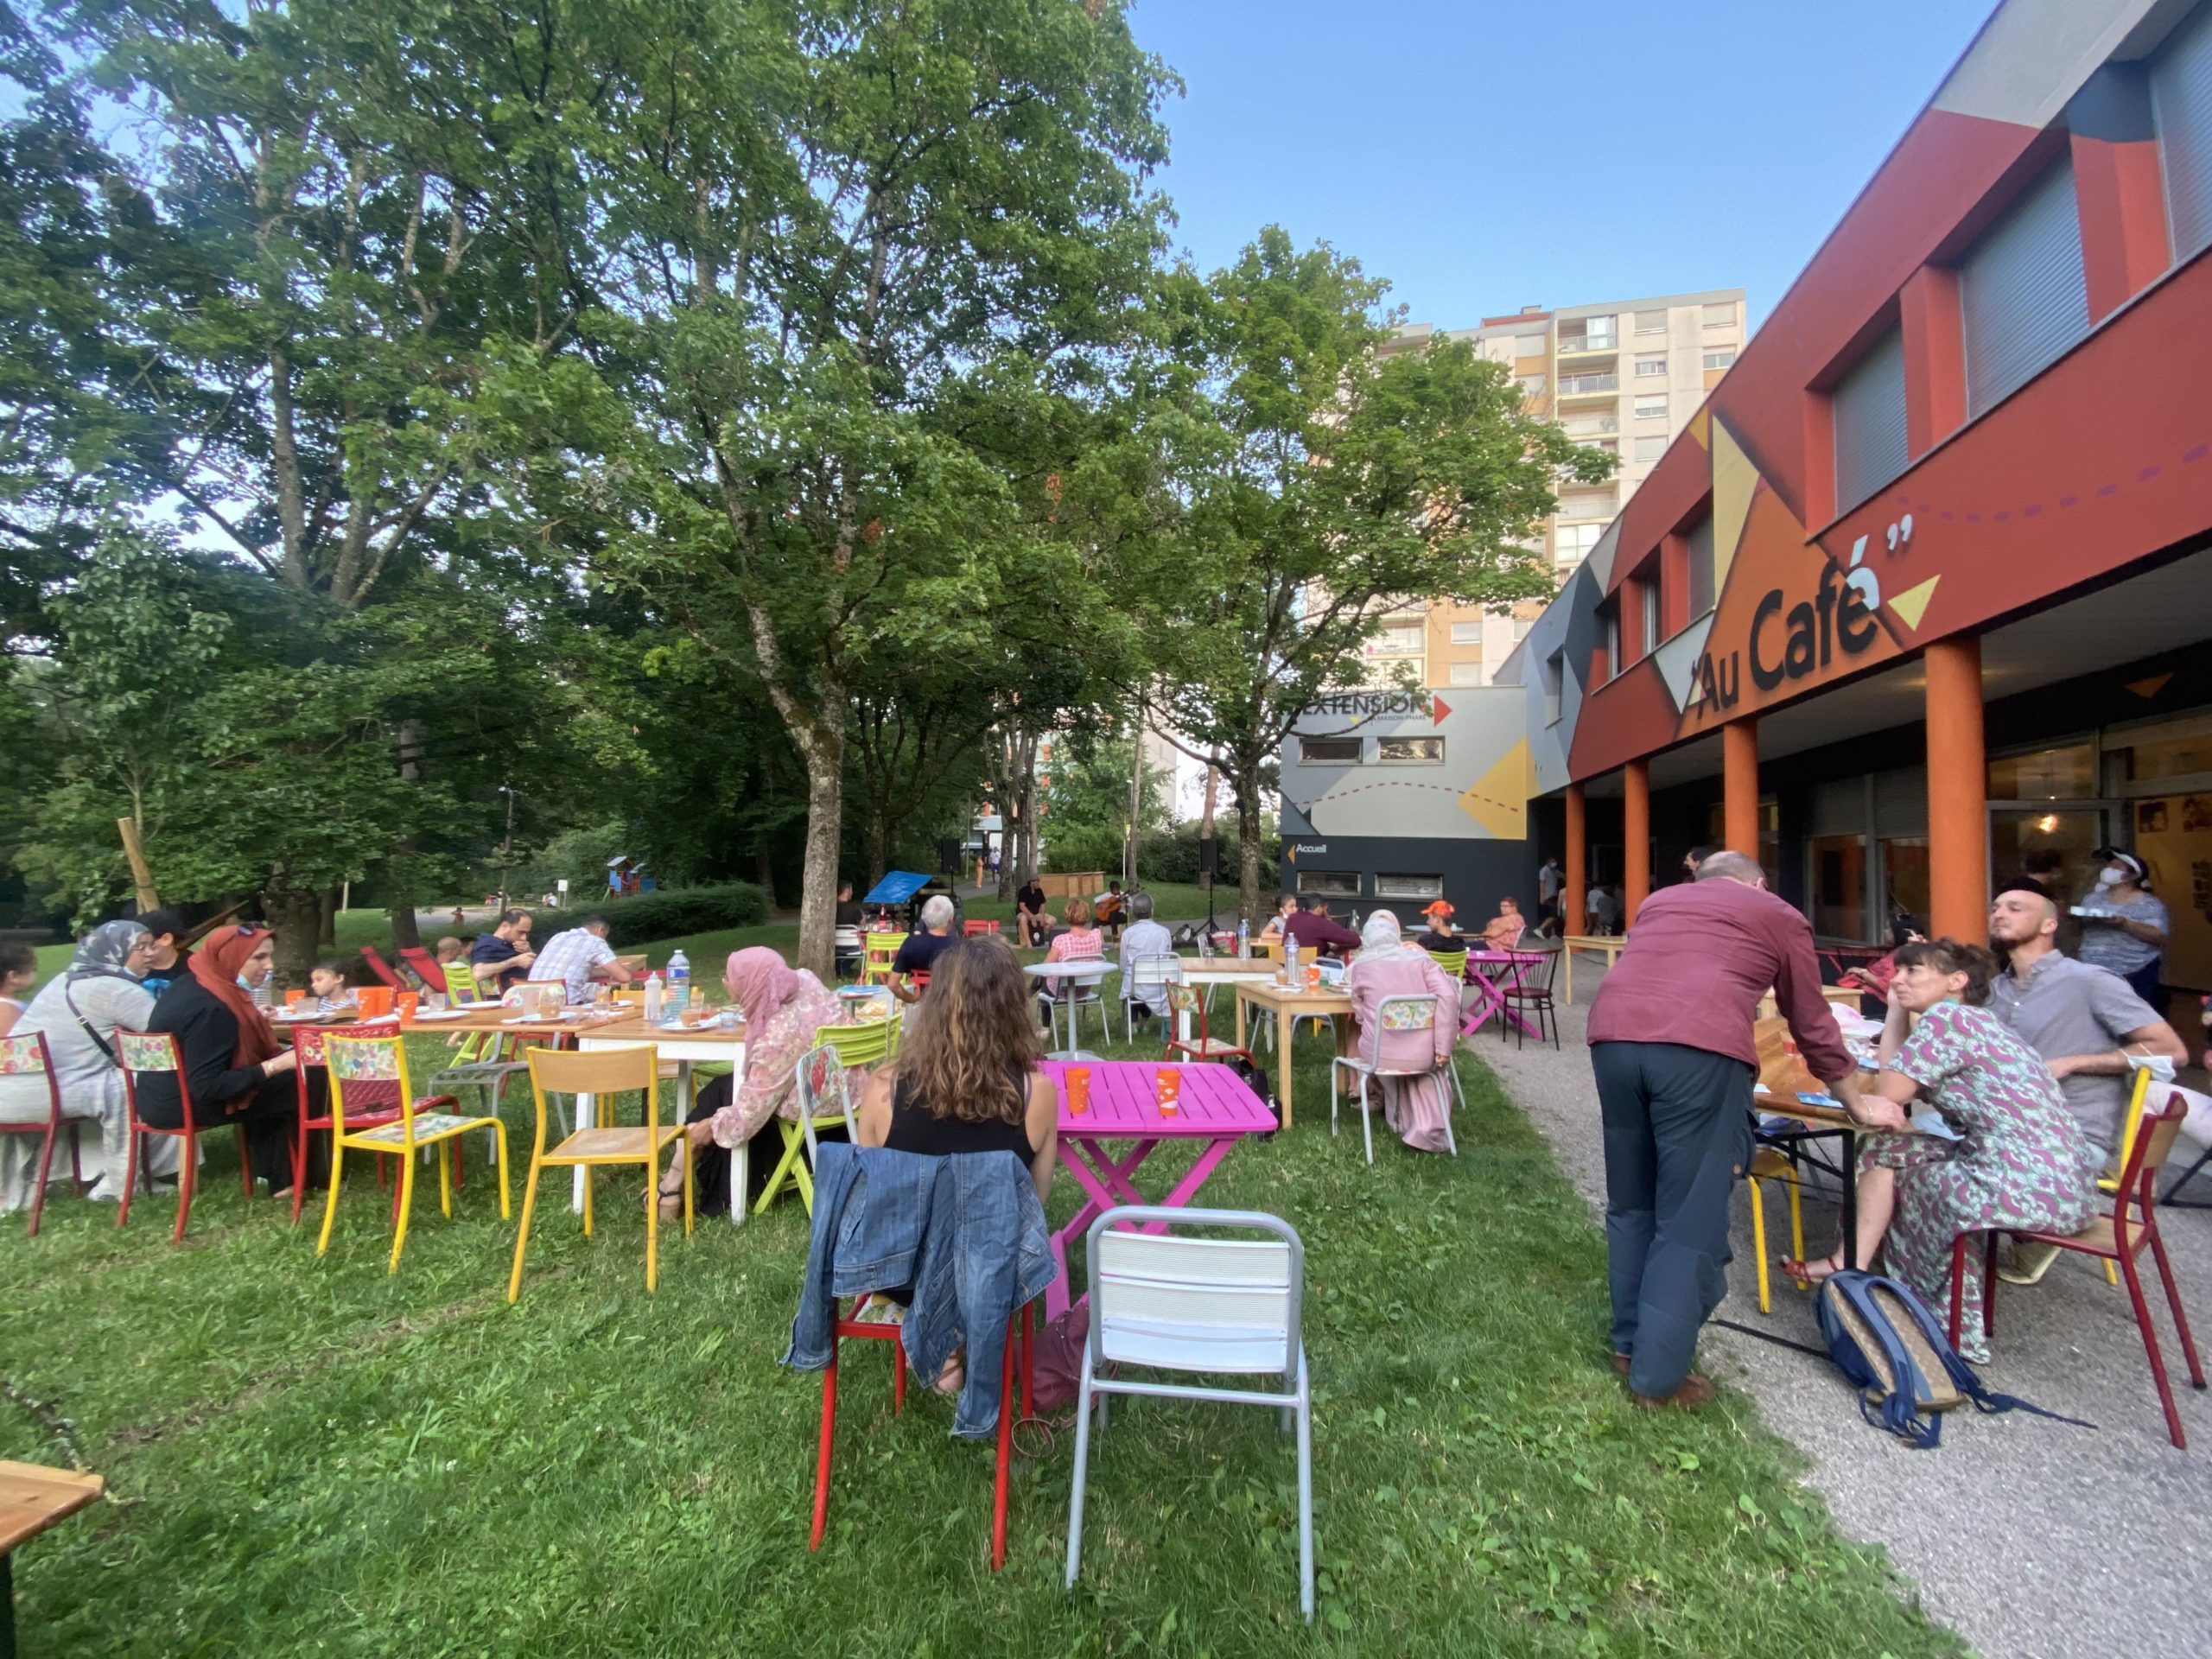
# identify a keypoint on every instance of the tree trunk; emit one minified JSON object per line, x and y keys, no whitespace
{"x":1247,"y":843}
{"x":326,"y":927}
{"x":764,"y":873}
{"x":295,"y":914}
{"x":822,"y":748}
{"x":879,"y":843}
{"x":1207,"y":877}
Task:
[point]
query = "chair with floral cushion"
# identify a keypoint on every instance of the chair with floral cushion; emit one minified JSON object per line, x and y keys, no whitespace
{"x":367,"y":1069}
{"x":136,"y":1053}
{"x":375,"y":1103}
{"x":27,"y":1056}
{"x":1395,"y":1014}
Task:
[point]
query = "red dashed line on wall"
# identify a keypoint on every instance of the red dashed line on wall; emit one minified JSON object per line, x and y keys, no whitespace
{"x":1307,"y":807}
{"x":2148,"y":474}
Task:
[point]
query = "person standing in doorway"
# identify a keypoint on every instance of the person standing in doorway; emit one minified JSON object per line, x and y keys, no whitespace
{"x":1692,"y":860}
{"x":1549,"y":879}
{"x":2125,"y":924}
{"x":1672,"y":1047}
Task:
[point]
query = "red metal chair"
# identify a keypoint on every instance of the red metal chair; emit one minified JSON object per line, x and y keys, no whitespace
{"x":139,"y":1051}
{"x":308,"y":1046}
{"x":28,"y":1056}
{"x":1184,"y":999}
{"x":853,"y":1327}
{"x":2117,"y":1238}
{"x":382,"y":969}
{"x":969,"y":930}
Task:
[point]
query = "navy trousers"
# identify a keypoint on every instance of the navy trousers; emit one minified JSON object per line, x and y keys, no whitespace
{"x":1678,"y":1136}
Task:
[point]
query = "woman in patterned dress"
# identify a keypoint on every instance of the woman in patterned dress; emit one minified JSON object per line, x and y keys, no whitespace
{"x":1387,"y":966}
{"x":2021,"y":1162}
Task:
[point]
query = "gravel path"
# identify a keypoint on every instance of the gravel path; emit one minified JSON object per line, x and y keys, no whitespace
{"x":2030,"y":1538}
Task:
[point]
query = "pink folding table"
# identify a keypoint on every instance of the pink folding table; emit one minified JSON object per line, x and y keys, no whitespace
{"x":1217,"y":1107}
{"x":1490,"y":988}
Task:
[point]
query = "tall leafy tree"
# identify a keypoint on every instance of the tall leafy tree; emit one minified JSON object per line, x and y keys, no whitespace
{"x":1317,"y":482}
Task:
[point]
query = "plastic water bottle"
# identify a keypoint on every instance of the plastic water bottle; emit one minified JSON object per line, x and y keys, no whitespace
{"x":1244,"y":940}
{"x":679,"y":982}
{"x":652,"y":999}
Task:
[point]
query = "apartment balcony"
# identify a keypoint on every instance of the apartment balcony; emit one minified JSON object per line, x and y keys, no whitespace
{"x":1586,"y":386}
{"x":1569,"y":345}
{"x":1589,"y":426}
{"x":1588,"y":504}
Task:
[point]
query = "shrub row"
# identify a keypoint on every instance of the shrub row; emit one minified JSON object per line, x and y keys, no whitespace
{"x":666,"y":914}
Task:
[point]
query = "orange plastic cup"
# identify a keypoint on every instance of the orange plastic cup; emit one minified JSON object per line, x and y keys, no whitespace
{"x":1079,"y":1081}
{"x":407,"y":1002}
{"x":1167,"y":1090}
{"x":375,"y":1000}
{"x":1313,"y":977}
{"x":293,"y":998}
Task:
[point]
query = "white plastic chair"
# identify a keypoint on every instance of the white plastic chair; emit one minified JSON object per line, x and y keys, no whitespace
{"x":1145,"y":974}
{"x":1215,"y":1307}
{"x":1411,"y":1014}
{"x":1076,"y":996}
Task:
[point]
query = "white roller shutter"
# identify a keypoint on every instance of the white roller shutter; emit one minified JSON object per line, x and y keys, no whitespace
{"x":1868,"y":405}
{"x":2023,"y":293}
{"x":2181,"y":102}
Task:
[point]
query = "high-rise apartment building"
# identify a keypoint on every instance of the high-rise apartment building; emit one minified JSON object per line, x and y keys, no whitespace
{"x":1623,"y":376}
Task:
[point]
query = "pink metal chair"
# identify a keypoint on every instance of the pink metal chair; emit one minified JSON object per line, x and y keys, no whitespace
{"x":28,"y":1056}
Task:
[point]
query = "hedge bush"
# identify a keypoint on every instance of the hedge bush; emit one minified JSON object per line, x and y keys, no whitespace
{"x":1173,"y":857}
{"x":668,"y":913}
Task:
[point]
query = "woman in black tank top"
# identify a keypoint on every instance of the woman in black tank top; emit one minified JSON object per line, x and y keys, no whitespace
{"x":915,"y":1127}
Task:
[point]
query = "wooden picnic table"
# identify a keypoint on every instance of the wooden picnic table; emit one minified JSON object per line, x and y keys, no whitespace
{"x":1610,"y":945}
{"x":32,"y":1498}
{"x":686,"y":1045}
{"x":1289,"y":1006}
{"x":1217,"y":1107}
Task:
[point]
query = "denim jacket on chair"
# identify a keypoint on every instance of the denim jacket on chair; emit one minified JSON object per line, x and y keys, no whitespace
{"x":966,"y":1231}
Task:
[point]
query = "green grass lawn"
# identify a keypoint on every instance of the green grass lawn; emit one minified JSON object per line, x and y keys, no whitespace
{"x":304,"y":1454}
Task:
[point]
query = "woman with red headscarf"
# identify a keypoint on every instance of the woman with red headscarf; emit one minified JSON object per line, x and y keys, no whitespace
{"x":783,"y":1007}
{"x":233,"y":1065}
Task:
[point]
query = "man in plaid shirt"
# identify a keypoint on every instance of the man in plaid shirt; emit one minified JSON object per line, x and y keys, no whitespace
{"x":580,"y":956}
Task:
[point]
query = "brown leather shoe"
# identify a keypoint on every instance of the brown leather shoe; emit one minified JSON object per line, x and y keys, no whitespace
{"x":1695,"y":1393}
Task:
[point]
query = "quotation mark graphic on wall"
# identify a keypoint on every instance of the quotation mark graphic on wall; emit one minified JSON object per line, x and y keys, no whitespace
{"x":1869,"y":586}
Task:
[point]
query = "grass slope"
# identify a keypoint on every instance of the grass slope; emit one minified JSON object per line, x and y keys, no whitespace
{"x":307,"y":1455}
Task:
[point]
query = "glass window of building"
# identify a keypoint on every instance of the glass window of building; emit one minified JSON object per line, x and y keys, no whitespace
{"x":1651,"y":366}
{"x":1575,"y":541}
{"x":1469,"y":674}
{"x":1466,"y":633}
{"x":1532,"y":345}
{"x":2021,"y":295}
{"x":2181,"y":104}
{"x":1410,"y":751}
{"x":1651,"y":322}
{"x":1838,"y":869}
{"x":1554,"y":683}
{"x":1651,"y":406}
{"x":1702,"y":597}
{"x":2067,"y":773}
{"x":1531,"y":384}
{"x":1328,"y":751}
{"x":1520,"y":627}
{"x":1409,"y":886}
{"x":1648,"y":591}
{"x":1721,"y":314}
{"x":1721,"y":360}
{"x":1650,"y":448}
{"x":1330,"y":884}
{"x":1867,"y":411}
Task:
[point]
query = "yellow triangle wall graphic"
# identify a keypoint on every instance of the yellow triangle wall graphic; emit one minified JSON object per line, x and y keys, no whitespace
{"x":2149,"y":689}
{"x":1697,"y":427}
{"x":1498,"y":800}
{"x":1912,"y":604}
{"x":1734,"y":478}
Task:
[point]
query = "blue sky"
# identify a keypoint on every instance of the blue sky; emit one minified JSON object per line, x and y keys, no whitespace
{"x":1482,"y":157}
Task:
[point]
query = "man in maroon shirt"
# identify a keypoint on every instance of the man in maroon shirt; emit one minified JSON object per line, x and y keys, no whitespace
{"x":1671,"y":1043}
{"x":1315,"y":931}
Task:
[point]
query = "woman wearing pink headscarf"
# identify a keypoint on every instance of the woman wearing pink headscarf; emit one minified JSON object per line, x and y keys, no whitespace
{"x":784,"y":1007}
{"x":1388,"y":967}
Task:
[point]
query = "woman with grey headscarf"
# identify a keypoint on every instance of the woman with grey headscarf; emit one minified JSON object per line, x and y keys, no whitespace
{"x":77,"y":1010}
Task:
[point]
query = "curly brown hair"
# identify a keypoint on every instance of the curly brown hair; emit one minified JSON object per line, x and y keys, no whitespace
{"x":972,"y":1042}
{"x":1952,"y":956}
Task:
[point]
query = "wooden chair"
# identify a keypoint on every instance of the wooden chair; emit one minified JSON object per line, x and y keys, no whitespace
{"x":603,"y":1073}
{"x":28,"y":1056}
{"x":2117,"y":1239}
{"x":136,"y":1053}
{"x":1184,"y":999}
{"x":355,"y":1061}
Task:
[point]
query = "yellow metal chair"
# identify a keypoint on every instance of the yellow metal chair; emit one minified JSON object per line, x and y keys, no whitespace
{"x":604,"y":1073}
{"x":824,"y":1101}
{"x":1768,"y":1165}
{"x":1453,"y":963}
{"x":2129,"y":1121}
{"x":368,"y":1067}
{"x":878,"y":951}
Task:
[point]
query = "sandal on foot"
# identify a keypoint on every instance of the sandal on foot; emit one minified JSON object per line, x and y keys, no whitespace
{"x":1808,"y":1275}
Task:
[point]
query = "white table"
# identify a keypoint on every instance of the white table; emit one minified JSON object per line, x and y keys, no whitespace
{"x":1082,"y":971}
{"x":686,"y":1048}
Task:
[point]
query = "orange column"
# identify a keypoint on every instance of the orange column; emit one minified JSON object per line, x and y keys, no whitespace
{"x":1958,"y":816}
{"x":1740,"y":785}
{"x":1574,"y":893}
{"x":1636,"y":838}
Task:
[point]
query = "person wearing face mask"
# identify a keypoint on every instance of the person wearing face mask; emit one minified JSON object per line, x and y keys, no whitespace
{"x":2124,"y":925}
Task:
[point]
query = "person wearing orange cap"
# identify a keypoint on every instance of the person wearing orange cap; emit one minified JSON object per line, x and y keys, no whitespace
{"x":1441,"y":935}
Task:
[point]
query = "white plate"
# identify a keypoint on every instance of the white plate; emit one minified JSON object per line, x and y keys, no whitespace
{"x":441,"y":1013}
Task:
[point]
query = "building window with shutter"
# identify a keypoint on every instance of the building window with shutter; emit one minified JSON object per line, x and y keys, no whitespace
{"x":1468,"y":674}
{"x":1867,"y":411}
{"x":1651,"y":366}
{"x":1650,"y":448}
{"x":1721,"y":315}
{"x":1466,"y":633}
{"x":1651,"y":406}
{"x":2181,"y":112}
{"x":2021,"y":295}
{"x":1651,"y":322}
{"x":1701,"y":573}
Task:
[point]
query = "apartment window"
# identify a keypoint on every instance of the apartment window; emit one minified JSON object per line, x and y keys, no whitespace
{"x":1398,"y":638}
{"x":1330,"y":884}
{"x":1607,"y":446}
{"x":1328,"y":751}
{"x":1613,"y":618}
{"x":1596,"y":335}
{"x":1587,"y":504}
{"x":1409,"y":886}
{"x":1520,"y":627}
{"x":1651,"y":406}
{"x":1719,"y":360}
{"x":1721,"y":314}
{"x":1466,"y":633}
{"x":1532,"y":345}
{"x":1701,"y":572}
{"x":1531,"y":386}
{"x":1410,"y":751}
{"x":1649,"y":590}
{"x":1575,"y":541}
{"x":2181,"y":106}
{"x":1867,"y":407}
{"x":1469,"y":674}
{"x":1650,"y":448}
{"x":1554,"y":683}
{"x":2022,"y":292}
{"x":1651,"y":322}
{"x":1650,"y":365}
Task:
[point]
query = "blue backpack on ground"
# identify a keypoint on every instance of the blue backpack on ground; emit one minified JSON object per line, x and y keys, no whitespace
{"x":1891,"y":1349}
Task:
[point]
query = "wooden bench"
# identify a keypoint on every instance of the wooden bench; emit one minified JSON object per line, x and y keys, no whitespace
{"x":32,"y":1498}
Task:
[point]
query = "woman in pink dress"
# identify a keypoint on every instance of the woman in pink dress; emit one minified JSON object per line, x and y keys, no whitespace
{"x":1387,"y":966}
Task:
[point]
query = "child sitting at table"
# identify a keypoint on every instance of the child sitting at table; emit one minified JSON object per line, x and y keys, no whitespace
{"x":326,"y":982}
{"x":18,"y":973}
